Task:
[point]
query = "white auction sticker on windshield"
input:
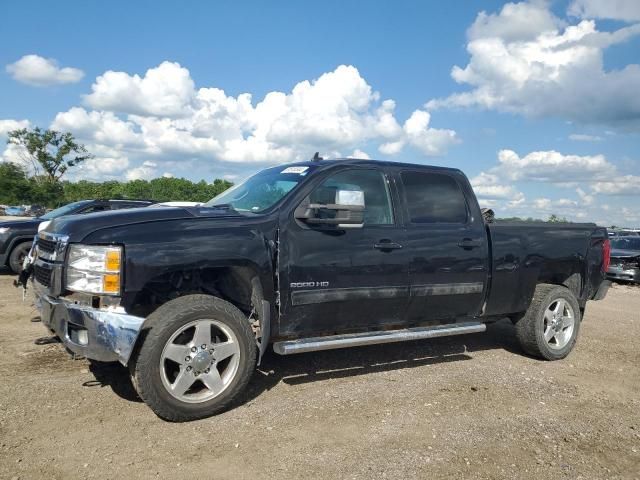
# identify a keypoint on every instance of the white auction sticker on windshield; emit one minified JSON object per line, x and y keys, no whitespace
{"x":298,"y":170}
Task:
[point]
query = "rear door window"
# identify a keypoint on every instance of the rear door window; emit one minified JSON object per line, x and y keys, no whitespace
{"x":433,"y":198}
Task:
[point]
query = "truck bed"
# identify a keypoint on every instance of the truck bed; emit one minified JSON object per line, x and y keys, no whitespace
{"x":526,"y":253}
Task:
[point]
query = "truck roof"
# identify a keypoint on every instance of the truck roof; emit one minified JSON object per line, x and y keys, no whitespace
{"x":324,"y":163}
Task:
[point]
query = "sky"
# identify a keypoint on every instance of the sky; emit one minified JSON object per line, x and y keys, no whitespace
{"x":538,"y":102}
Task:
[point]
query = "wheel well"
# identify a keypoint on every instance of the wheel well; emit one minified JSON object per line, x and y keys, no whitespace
{"x":239,"y":285}
{"x":574,"y":284}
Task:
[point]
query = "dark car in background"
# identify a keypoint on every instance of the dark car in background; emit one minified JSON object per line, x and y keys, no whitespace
{"x":625,"y":259}
{"x":16,"y":236}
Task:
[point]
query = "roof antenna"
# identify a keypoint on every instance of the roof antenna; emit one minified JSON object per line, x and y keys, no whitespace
{"x":316,"y":157}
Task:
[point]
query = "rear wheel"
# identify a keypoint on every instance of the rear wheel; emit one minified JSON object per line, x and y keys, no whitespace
{"x":18,"y":255}
{"x":196,"y":358}
{"x":549,"y":329}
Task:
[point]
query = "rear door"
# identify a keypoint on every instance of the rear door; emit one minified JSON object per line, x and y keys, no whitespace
{"x":336,"y":280}
{"x":446,"y":240}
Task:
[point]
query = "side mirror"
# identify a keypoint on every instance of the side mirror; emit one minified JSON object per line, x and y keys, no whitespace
{"x":347,"y":211}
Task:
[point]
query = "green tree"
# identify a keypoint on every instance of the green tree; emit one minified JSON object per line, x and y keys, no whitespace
{"x":14,"y":185}
{"x":553,"y":218}
{"x":49,"y":151}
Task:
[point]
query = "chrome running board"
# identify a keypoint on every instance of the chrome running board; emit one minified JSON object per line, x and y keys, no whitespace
{"x":314,"y":344}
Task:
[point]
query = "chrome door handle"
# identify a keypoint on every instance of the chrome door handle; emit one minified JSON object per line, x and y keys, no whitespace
{"x":468,"y":244}
{"x":387,"y":245}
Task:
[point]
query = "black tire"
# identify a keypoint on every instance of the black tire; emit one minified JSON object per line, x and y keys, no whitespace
{"x":159,"y":327}
{"x":17,"y":256}
{"x":530,"y":327}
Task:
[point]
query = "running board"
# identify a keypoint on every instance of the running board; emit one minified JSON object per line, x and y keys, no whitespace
{"x":314,"y":344}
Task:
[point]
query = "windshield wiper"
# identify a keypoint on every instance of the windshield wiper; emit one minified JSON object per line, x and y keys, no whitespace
{"x":224,"y":206}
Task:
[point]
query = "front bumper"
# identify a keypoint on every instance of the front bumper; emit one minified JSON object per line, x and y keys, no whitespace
{"x":616,"y":272}
{"x":102,"y":335}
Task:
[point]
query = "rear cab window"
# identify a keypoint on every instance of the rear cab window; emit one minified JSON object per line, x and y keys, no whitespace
{"x":433,"y":198}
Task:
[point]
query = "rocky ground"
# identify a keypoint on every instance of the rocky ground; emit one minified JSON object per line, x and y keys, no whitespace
{"x":465,"y":407}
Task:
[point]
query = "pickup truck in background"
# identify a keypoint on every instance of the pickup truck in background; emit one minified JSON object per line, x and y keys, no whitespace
{"x":16,"y":236}
{"x":305,"y":257}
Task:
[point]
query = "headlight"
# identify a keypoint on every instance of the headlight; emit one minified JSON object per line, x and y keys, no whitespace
{"x":94,"y":269}
{"x":4,"y":230}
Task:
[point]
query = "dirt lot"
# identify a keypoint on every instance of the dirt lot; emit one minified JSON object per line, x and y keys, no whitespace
{"x":464,"y":407}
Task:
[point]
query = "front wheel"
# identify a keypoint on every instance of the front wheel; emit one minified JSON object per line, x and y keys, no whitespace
{"x":549,"y":329}
{"x":16,"y":259}
{"x":198,"y":354}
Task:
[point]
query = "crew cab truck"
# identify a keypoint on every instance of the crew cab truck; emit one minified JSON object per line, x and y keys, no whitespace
{"x":305,"y":257}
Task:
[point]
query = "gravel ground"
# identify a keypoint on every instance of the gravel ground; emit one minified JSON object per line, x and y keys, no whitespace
{"x":465,"y":407}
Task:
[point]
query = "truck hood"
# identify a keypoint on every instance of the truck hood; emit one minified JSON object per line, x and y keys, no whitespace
{"x":27,"y":222}
{"x":76,"y":227}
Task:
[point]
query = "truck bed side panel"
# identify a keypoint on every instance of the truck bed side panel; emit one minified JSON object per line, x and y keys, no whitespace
{"x":525,"y":254}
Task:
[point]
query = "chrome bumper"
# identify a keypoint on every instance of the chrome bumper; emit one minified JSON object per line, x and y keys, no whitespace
{"x":616,"y":272}
{"x":97,"y":334}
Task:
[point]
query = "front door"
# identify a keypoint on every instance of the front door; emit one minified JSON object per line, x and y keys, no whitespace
{"x":340,"y":279}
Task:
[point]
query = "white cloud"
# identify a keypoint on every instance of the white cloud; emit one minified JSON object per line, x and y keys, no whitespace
{"x":8,"y":125}
{"x":620,"y":185}
{"x":39,"y":71}
{"x":553,"y":167}
{"x":525,"y":60}
{"x":627,"y":10}
{"x":357,"y":153}
{"x":163,"y":117}
{"x":494,"y":192}
{"x":547,"y":175}
{"x":100,"y":168}
{"x":430,"y":141}
{"x":581,"y":137}
{"x":146,"y":171}
{"x":166,"y":90}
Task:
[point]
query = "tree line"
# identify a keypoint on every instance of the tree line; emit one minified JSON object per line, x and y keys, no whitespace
{"x":17,"y":188}
{"x":47,"y":155}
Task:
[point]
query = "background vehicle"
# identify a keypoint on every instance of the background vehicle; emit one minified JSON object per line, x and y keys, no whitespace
{"x":16,"y":236}
{"x":16,"y":211}
{"x":35,"y":210}
{"x":310,"y":256}
{"x":625,"y":259}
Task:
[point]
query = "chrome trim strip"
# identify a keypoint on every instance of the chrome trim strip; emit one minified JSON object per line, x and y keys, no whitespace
{"x":446,"y":289}
{"x":306,"y":297}
{"x":315,"y":344}
{"x":322,"y":295}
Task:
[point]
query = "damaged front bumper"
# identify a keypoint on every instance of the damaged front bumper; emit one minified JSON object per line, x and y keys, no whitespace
{"x":103,"y":335}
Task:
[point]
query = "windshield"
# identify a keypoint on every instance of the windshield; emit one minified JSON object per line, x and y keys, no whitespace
{"x":261,"y":191}
{"x":65,"y":210}
{"x":626,"y":243}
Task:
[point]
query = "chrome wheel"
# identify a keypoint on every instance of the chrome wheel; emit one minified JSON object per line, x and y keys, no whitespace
{"x":559,"y":323}
{"x":199,"y":361}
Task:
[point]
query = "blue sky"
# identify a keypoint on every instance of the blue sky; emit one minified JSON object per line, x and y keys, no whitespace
{"x":548,"y":122}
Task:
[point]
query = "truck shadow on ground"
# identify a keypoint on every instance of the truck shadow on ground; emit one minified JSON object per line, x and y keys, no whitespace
{"x":332,"y":364}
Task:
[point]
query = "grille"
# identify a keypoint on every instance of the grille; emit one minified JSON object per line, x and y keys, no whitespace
{"x":48,"y":246}
{"x":42,"y":275}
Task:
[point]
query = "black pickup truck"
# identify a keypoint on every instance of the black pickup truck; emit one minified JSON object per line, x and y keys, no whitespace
{"x":16,"y":236}
{"x":305,"y":257}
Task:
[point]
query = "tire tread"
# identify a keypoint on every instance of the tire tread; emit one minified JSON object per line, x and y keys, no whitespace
{"x":157,"y":324}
